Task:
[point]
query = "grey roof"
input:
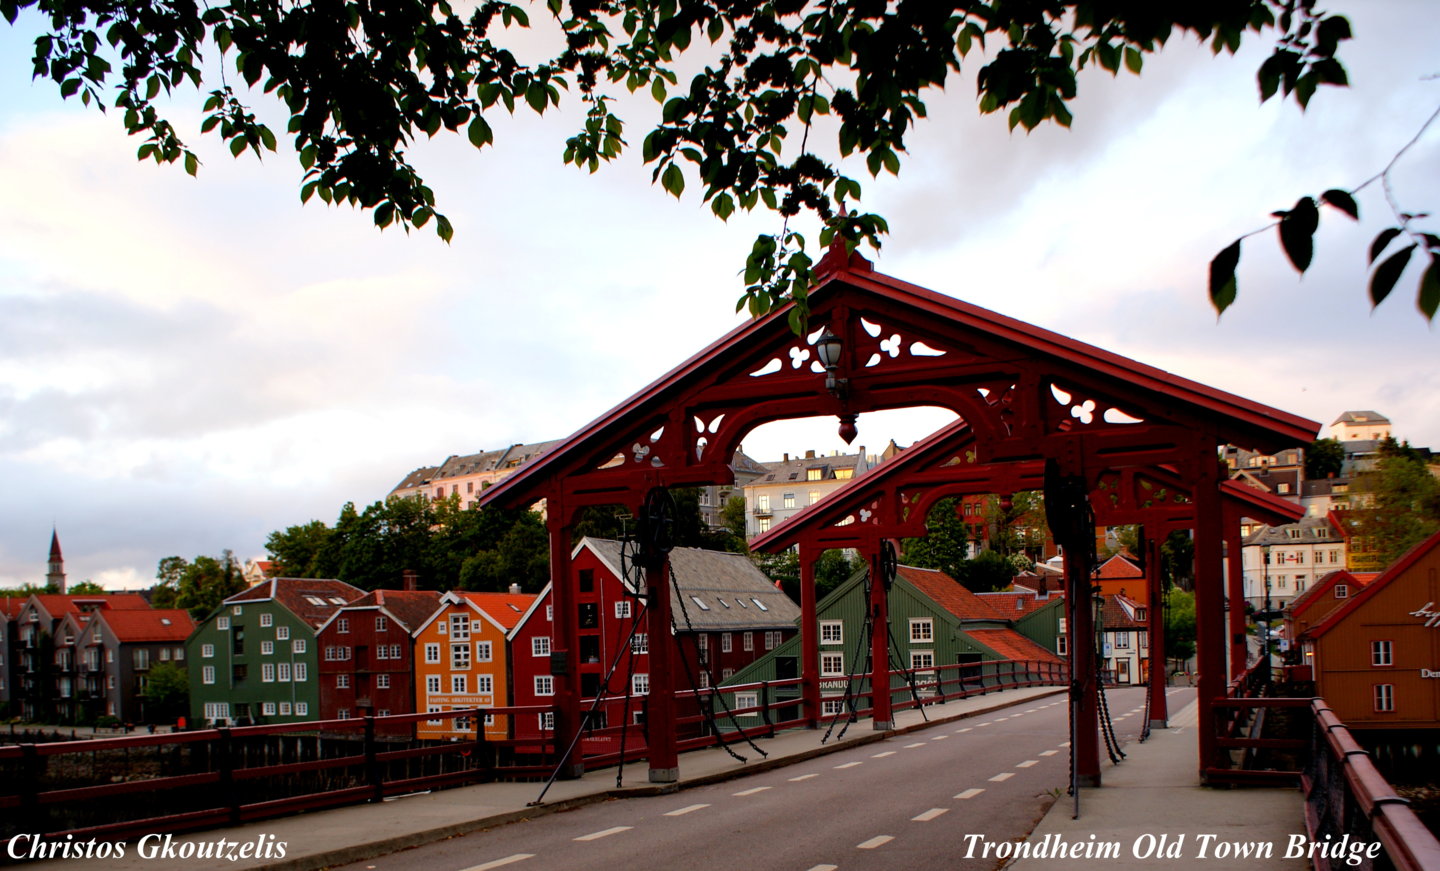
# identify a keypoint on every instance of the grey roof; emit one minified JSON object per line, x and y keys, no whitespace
{"x":721,"y":592}
{"x":1308,"y":530}
{"x":797,"y":468}
{"x":417,"y":478}
{"x":743,"y":464}
{"x":1361,"y":417}
{"x":456,"y":466}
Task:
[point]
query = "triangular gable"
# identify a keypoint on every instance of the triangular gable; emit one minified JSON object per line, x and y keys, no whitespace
{"x":1373,"y":588}
{"x":541,"y":598}
{"x":761,"y":371}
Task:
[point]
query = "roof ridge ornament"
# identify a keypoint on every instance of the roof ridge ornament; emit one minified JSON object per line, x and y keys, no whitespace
{"x":840,"y":257}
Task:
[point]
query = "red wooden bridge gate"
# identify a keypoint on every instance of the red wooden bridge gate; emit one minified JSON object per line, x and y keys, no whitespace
{"x":1095,"y":430}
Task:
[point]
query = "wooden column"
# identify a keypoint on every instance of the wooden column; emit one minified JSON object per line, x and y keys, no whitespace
{"x":660,"y":723}
{"x":1235,"y":594}
{"x":809,"y":638}
{"x":882,"y":716}
{"x":565,"y":645}
{"x":1155,"y":625}
{"x":1209,"y":609}
{"x":1084,"y":668}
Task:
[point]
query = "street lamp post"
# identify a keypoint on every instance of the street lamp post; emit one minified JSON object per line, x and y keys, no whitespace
{"x":1265,"y":642}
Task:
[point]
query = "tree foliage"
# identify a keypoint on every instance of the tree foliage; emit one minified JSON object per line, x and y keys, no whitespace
{"x":85,"y":588}
{"x":1325,"y":458}
{"x":946,"y":544}
{"x":167,"y":684}
{"x":199,"y":586}
{"x":360,"y":82}
{"x":1179,"y":625}
{"x":1398,"y":504}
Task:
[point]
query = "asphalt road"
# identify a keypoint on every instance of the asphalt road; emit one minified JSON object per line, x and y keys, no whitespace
{"x":902,"y":804}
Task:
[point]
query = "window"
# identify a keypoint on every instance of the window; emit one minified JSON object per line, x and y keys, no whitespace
{"x":758,"y":604}
{"x":727,"y":642}
{"x":747,"y":700}
{"x":217,"y":711}
{"x":1381,"y":653}
{"x":832,"y":665}
{"x":700,"y":604}
{"x":222,"y":623}
{"x":267,"y":672}
{"x":267,"y":620}
{"x":382,"y":681}
{"x":1384,"y":697}
{"x":382,"y":623}
{"x":282,"y":672}
{"x":763,"y":524}
{"x":300,"y":673}
{"x":547,"y":721}
{"x":1342,"y":591}
{"x":460,"y":656}
{"x":640,"y":643}
{"x":922,"y":629}
{"x":922,"y":659}
{"x":459,"y":626}
{"x":284,"y":709}
{"x":342,"y":714}
{"x":1122,"y":640}
{"x":237,"y":640}
{"x":179,"y":654}
{"x":832,"y":707}
{"x":844,"y":474}
{"x":544,"y":685}
{"x":432,"y":683}
{"x":484,"y":684}
{"x":540,"y":645}
{"x":832,"y":632}
{"x":395,"y":651}
{"x":482,"y":651}
{"x":640,"y":684}
{"x":622,"y":609}
{"x":268,"y":709}
{"x":207,"y":674}
{"x":813,"y":474}
{"x":382,"y":651}
{"x":1061,"y":647}
{"x":432,"y":709}
{"x":207,"y":651}
{"x":342,"y":681}
{"x":236,"y":610}
{"x":432,"y":653}
{"x":282,"y":633}
{"x":550,"y":613}
{"x":762,"y":502}
{"x":747,"y":641}
{"x":267,"y":648}
{"x":297,"y":646}
{"x":458,"y":683}
{"x":772,"y":639}
{"x":342,"y":625}
{"x":814,"y":496}
{"x":789,"y":500}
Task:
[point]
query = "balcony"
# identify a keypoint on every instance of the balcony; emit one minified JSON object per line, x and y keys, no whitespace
{"x":762,"y":511}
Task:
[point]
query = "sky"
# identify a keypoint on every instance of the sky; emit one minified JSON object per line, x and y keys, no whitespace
{"x":189,"y":364}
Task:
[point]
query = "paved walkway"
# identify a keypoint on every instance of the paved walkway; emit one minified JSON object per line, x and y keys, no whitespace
{"x":1151,"y":792}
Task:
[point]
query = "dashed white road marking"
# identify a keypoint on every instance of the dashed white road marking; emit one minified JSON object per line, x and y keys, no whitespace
{"x":939,"y":737}
{"x":1048,"y":752}
{"x":824,"y":868}
{"x":802,"y":777}
{"x":981,"y":725}
{"x":883,"y":755}
{"x":966,"y":729}
{"x":1027,"y":763}
{"x":970,"y":793}
{"x":849,"y":764}
{"x":1004,"y":775}
{"x":916,"y":744}
{"x":604,"y":833}
{"x":500,"y":863}
{"x":929,"y":815}
{"x":1001,"y":719}
{"x":877,"y":841}
{"x":754,"y":789}
{"x":685,"y":810}
{"x":1064,"y":743}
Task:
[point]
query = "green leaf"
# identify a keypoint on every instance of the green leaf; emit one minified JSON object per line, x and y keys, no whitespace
{"x":237,"y":145}
{"x":1297,"y":232}
{"x":69,"y":87}
{"x":192,"y":163}
{"x":1133,"y":60}
{"x":1387,"y":273}
{"x":267,"y":138}
{"x":443,"y":228}
{"x":480,"y":133}
{"x":657,"y":90}
{"x":1342,"y":201}
{"x":1222,"y":277}
{"x":723,"y":206}
{"x":1382,"y":241}
{"x":673,"y":180}
{"x":307,"y":190}
{"x":1429,"y":297}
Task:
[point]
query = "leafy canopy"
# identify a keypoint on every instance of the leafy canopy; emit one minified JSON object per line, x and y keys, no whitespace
{"x":361,"y":81}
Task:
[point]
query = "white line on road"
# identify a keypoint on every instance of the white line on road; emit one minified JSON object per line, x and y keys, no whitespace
{"x":1004,"y":775}
{"x":1048,"y":752}
{"x":850,"y":764}
{"x":1001,"y":719}
{"x":929,"y":815}
{"x":595,"y":836}
{"x":939,"y":737}
{"x":979,"y":725}
{"x":1064,"y":743}
{"x":883,"y":755}
{"x":500,"y":863}
{"x":916,"y":744}
{"x":1027,"y":763}
{"x":802,"y":777}
{"x":685,"y":810}
{"x":751,"y":791}
{"x":877,"y":841}
{"x":970,"y":793}
{"x":825,"y":868}
{"x":966,"y":729}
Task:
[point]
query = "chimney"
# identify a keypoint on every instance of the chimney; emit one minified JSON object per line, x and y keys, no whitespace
{"x":787,"y":457}
{"x":514,"y":589}
{"x":809,"y":455}
{"x":410,"y":580}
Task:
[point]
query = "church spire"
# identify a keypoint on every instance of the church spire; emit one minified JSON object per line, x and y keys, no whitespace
{"x":56,"y":574}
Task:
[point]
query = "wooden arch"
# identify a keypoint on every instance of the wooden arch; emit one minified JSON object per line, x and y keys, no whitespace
{"x":1026,"y":394}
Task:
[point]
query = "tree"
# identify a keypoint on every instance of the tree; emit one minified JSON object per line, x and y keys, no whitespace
{"x":359,"y":82}
{"x":166,"y":692}
{"x":1399,"y":504}
{"x":1325,"y":458}
{"x":946,"y":545}
{"x":1179,"y":625}
{"x":199,"y":586}
{"x":296,"y":550}
{"x":990,"y":570}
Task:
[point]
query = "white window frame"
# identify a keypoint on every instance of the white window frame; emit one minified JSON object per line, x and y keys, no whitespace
{"x":832,"y":664}
{"x":922,"y":629}
{"x":1382,"y":654}
{"x":1384,"y":698}
{"x":622,"y":609}
{"x":207,"y":651}
{"x":267,"y":620}
{"x":484,"y":651}
{"x":832,"y":631}
{"x":727,"y":642}
{"x":640,"y":642}
{"x":640,"y":684}
{"x":540,"y":645}
{"x":544,"y":685}
{"x":747,"y":700}
{"x":207,"y":674}
{"x":432,"y":654}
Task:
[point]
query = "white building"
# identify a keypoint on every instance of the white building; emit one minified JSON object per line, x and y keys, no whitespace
{"x":1287,"y":560}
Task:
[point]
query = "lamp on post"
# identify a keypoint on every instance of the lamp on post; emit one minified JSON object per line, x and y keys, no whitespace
{"x":829,"y":348}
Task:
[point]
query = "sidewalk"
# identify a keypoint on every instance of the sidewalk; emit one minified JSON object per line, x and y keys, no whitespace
{"x":1153,"y":793}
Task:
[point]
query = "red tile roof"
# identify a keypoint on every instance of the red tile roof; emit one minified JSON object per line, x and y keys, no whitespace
{"x":59,"y":605}
{"x":1116,"y":616}
{"x":949,"y":594}
{"x":10,"y":606}
{"x":1017,"y":603}
{"x":1012,"y":645}
{"x":410,"y":608}
{"x":504,"y":608}
{"x":1372,"y":589}
{"x":133,"y":627}
{"x":311,"y":599}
